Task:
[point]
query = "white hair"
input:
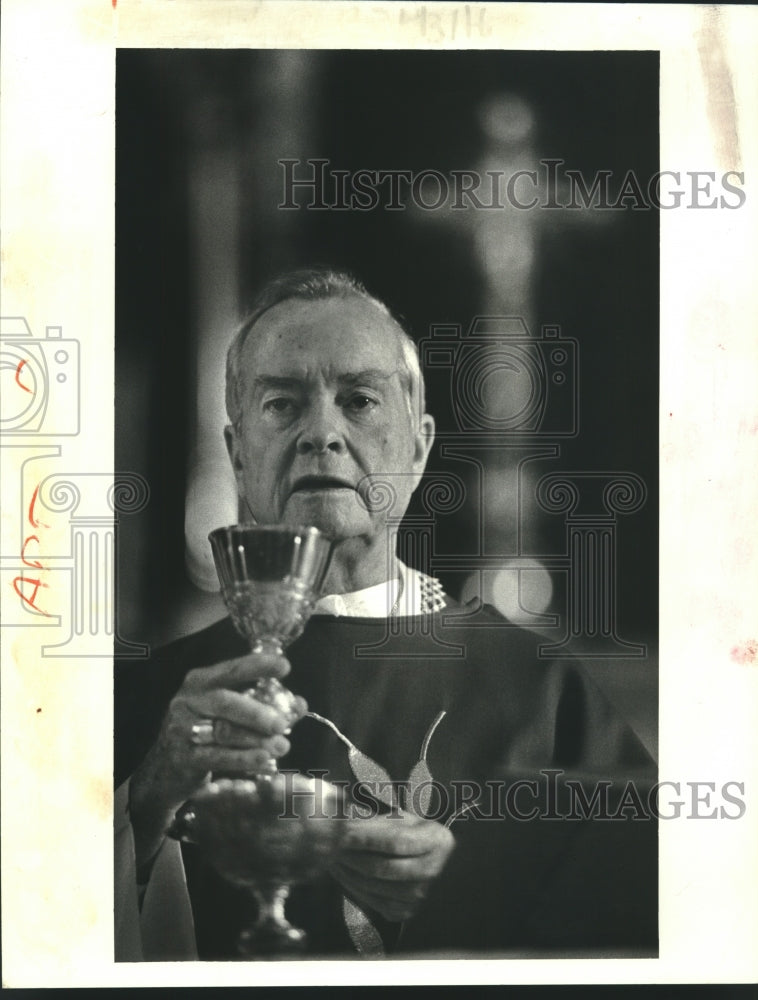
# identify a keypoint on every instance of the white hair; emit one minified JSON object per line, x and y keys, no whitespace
{"x":317,"y":283}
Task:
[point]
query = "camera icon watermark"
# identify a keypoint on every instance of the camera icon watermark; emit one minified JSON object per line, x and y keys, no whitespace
{"x":503,"y":380}
{"x":40,"y":379}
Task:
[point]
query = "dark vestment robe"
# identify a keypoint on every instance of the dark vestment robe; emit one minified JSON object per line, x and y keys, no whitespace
{"x":555,"y":880}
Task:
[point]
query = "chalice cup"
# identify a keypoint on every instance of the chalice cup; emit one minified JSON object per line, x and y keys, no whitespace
{"x":267,"y":831}
{"x":271,"y":576}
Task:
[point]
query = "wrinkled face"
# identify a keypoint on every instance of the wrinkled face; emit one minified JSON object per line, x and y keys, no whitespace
{"x":325,"y":411}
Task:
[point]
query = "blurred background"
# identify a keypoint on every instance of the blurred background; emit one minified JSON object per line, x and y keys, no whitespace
{"x":198,"y":229}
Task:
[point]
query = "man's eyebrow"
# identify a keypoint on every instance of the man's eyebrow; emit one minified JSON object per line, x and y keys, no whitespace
{"x":276,"y":382}
{"x":367,"y":375}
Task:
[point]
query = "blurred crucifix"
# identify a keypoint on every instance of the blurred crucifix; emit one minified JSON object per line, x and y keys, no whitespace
{"x":515,"y":203}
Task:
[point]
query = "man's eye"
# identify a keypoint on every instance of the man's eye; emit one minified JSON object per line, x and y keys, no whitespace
{"x":360,"y":402}
{"x":279,"y":404}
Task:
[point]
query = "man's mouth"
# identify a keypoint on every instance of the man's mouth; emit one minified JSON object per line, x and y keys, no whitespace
{"x":309,"y":484}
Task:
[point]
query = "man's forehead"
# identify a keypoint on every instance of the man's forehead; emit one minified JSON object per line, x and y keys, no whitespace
{"x":338,"y":336}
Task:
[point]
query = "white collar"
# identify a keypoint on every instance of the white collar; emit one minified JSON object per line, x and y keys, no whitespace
{"x":421,"y":594}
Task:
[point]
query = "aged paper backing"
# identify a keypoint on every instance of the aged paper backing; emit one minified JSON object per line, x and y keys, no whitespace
{"x":58,"y":72}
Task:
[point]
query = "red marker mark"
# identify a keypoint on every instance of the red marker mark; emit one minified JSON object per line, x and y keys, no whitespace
{"x":34,"y":523}
{"x":33,"y":563}
{"x":18,"y":380}
{"x":20,"y":581}
{"x":113,"y":3}
{"x":31,"y":601}
{"x":746,"y":652}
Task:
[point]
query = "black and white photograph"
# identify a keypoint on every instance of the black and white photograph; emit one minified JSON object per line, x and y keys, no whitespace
{"x":444,"y":274}
{"x":376,"y":566}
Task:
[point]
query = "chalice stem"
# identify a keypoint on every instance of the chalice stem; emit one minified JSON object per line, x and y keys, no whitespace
{"x":272,"y":934}
{"x":271,"y":900}
{"x":268,"y":644}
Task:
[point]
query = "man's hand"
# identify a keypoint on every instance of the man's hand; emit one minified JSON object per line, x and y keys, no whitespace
{"x":388,"y":862}
{"x":246,"y":734}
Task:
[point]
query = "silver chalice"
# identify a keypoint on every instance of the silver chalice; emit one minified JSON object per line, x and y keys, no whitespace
{"x":267,"y":831}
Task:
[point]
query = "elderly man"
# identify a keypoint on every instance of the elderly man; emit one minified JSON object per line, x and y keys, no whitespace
{"x":325,"y":401}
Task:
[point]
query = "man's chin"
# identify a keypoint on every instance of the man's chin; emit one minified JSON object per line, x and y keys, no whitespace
{"x":338,"y":513}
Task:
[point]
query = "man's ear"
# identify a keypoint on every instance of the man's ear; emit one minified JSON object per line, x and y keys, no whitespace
{"x":234,"y":449}
{"x":423,"y":442}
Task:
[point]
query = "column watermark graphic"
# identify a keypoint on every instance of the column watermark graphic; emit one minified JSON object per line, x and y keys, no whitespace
{"x":58,"y":562}
{"x":591,"y":557}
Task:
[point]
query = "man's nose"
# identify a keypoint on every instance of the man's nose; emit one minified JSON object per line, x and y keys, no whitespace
{"x":321,"y":430}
